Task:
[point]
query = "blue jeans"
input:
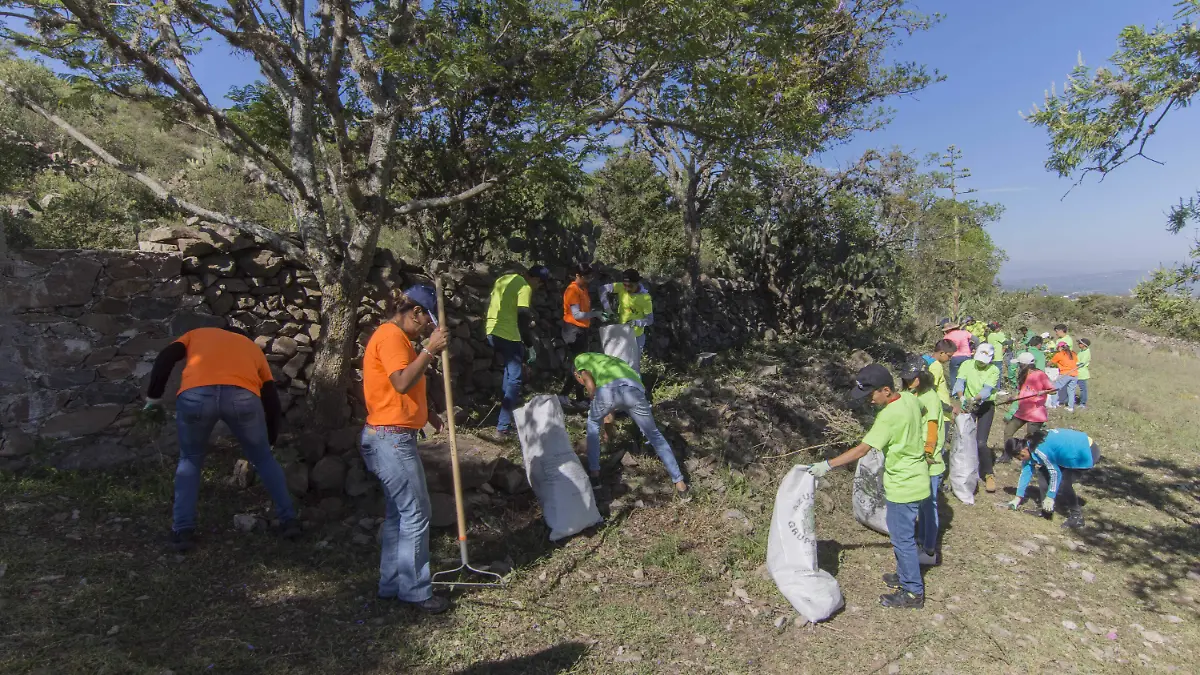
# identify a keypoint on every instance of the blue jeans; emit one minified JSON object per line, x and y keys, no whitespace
{"x":955,"y":362}
{"x":927,"y":517}
{"x":902,"y":528}
{"x":513,"y":354}
{"x":196,"y":413}
{"x":1066,"y":390}
{"x":624,"y":395}
{"x":391,"y":454}
{"x":1082,"y":392}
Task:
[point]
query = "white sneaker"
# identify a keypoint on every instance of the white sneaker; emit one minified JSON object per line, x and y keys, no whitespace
{"x":1070,"y":410}
{"x":926,"y":560}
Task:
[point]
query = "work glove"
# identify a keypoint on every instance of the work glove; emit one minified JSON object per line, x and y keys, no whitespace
{"x":819,"y":469}
{"x":531,"y":356}
{"x":1014,"y":504}
{"x":1048,"y":505}
{"x":152,"y":403}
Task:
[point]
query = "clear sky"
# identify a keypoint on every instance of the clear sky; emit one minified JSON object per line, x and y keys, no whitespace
{"x":999,"y":58}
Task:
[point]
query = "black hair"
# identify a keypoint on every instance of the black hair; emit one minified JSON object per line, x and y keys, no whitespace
{"x":1085,"y":342}
{"x":924,"y":382}
{"x":583,"y":269}
{"x":1013,"y":446}
{"x":1061,"y":326}
{"x":945,"y":346}
{"x":1035,"y":341}
{"x":631,"y":276}
{"x":1023,"y":329}
{"x":1024,"y":373}
{"x":1035,"y":439}
{"x":398,"y":302}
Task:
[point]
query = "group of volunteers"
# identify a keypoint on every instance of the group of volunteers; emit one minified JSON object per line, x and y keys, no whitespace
{"x":226,"y":377}
{"x":961,"y":376}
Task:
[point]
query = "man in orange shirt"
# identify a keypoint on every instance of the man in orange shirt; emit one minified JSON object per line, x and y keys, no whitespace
{"x":225,"y":377}
{"x":576,"y":328}
{"x":394,"y":389}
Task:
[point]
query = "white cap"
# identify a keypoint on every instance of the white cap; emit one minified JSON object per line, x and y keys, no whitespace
{"x":1045,"y":336}
{"x":1025,"y":358}
{"x":985,"y":353}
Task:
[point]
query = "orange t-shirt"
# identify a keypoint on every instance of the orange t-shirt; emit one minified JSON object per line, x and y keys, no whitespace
{"x":388,"y":351}
{"x":1067,"y":363}
{"x":576,"y":295}
{"x":217,"y":356}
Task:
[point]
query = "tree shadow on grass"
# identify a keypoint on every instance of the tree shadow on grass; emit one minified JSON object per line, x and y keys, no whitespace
{"x":560,"y":658}
{"x":1165,"y":554}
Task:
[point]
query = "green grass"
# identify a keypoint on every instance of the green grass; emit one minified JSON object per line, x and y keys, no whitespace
{"x":88,"y":587}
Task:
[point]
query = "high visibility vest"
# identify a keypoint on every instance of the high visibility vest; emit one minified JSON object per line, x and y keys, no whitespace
{"x":633,"y":306}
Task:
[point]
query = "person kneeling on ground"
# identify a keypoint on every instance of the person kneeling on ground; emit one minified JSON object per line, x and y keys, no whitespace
{"x":397,"y":407}
{"x":1060,"y":456}
{"x":897,"y":434}
{"x":613,"y":385}
{"x":225,"y":377}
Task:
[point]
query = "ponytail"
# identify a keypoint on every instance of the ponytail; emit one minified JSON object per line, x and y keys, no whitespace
{"x":398,"y":303}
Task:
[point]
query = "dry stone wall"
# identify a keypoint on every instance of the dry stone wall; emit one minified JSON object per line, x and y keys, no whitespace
{"x":79,"y":331}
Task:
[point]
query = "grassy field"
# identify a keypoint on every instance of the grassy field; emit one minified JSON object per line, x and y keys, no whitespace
{"x":87,"y":586}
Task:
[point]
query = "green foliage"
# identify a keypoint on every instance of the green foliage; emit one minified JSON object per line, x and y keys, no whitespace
{"x":1087,"y":310}
{"x":1168,"y":300}
{"x":639,"y":223}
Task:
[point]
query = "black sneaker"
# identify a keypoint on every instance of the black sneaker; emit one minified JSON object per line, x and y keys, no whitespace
{"x":595,"y":479}
{"x":291,"y":529}
{"x":902,"y":600}
{"x":434,"y":605}
{"x":892,"y":580}
{"x":1073,"y":522}
{"x":183,"y":540}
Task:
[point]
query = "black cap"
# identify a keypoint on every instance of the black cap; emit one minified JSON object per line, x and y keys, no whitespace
{"x":913,"y":368}
{"x":869,"y":379}
{"x":540,"y":271}
{"x":631,"y":276}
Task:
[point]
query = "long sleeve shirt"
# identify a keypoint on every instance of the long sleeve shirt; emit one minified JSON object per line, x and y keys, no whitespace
{"x":1062,"y":449}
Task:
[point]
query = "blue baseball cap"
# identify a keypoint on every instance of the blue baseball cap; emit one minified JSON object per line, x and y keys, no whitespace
{"x":540,"y":271}
{"x":424,"y":296}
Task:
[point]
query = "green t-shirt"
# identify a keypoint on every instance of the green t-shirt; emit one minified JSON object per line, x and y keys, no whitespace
{"x":940,"y":384}
{"x":997,"y":340}
{"x":897,"y":434}
{"x":605,"y":368}
{"x":509,"y":293}
{"x":1066,"y":338}
{"x":1085,"y":363}
{"x":977,"y":378}
{"x":931,"y":410}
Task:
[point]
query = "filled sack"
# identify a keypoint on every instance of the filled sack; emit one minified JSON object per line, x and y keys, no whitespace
{"x":964,"y":459}
{"x":792,"y":550}
{"x":619,"y":340}
{"x":870,"y":504}
{"x":554,"y":470}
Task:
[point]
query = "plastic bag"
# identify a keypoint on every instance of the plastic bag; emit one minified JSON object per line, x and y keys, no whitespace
{"x":792,"y":550}
{"x":870,"y":504}
{"x":964,"y":459}
{"x":619,"y":340}
{"x":554,"y":470}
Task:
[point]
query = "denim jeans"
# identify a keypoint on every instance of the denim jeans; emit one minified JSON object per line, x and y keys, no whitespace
{"x":902,"y":528}
{"x":196,"y":413}
{"x":1082,"y":392}
{"x":927,"y":517}
{"x":955,"y":362}
{"x":641,"y":343}
{"x":1066,"y":390}
{"x":625,"y":396}
{"x":391,"y":454}
{"x":513,"y":354}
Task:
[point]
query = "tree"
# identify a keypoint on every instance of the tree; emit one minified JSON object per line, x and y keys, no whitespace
{"x":1105,"y":118}
{"x":639,"y":225}
{"x":356,"y":83}
{"x":761,"y":78}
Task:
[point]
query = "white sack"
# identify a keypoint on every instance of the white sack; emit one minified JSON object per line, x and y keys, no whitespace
{"x":870,"y":504}
{"x":792,"y":550}
{"x":618,"y":340}
{"x":964,"y":459}
{"x":555,"y":473}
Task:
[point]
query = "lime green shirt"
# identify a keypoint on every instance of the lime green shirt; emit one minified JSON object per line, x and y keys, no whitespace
{"x":633,"y":306}
{"x":940,"y":384}
{"x":606,"y":369}
{"x":932,"y":411}
{"x":977,"y":378}
{"x":977,"y":329}
{"x":997,"y":340}
{"x":1066,"y":338}
{"x":1085,"y":363}
{"x":510,"y":293}
{"x":897,"y":434}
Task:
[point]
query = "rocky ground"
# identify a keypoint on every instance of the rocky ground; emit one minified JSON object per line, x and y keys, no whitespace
{"x":665,"y":585}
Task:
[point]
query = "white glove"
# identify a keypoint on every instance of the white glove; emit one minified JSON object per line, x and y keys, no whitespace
{"x":1015,"y":504}
{"x":152,"y":403}
{"x":1048,"y":505}
{"x":819,"y":469}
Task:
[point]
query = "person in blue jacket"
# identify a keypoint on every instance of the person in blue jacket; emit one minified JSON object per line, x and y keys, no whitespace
{"x":1060,"y":457}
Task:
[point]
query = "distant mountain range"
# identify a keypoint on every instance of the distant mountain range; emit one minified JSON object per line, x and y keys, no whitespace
{"x":1107,"y":283}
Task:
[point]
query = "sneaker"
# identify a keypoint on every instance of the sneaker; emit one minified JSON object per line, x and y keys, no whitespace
{"x":291,"y":529}
{"x":989,"y":482}
{"x":681,"y":489}
{"x":1070,"y":409}
{"x":1073,"y":522}
{"x":183,"y":540}
{"x":434,"y":605}
{"x":902,"y":600}
{"x":1004,"y":459}
{"x":892,"y":580}
{"x":928,"y":559}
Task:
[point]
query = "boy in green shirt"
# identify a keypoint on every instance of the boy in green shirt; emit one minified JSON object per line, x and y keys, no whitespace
{"x":919,"y":381}
{"x":1061,"y":335}
{"x":977,"y":384}
{"x":897,"y":434}
{"x":1085,"y":369}
{"x":508,"y":320}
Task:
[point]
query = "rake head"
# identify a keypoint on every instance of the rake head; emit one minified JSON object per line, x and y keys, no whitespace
{"x":482,"y":578}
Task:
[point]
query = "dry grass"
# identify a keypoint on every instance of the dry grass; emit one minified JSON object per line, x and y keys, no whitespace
{"x":654,"y":591}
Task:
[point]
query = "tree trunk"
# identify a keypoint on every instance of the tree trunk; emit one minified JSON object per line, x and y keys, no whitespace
{"x":334,"y":358}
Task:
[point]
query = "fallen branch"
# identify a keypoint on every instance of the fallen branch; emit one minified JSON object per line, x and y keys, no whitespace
{"x":811,"y":447}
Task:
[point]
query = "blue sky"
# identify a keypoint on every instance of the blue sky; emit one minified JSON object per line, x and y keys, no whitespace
{"x":999,"y":58}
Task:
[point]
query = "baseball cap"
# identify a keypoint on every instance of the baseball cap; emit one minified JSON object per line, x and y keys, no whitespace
{"x":1025,"y":358}
{"x":968,"y":319}
{"x":631,"y":276}
{"x":985,"y":353}
{"x":869,"y":379}
{"x":945,"y":324}
{"x":423,"y":295}
{"x":1045,"y":336}
{"x":912,"y":368}
{"x":540,"y":271}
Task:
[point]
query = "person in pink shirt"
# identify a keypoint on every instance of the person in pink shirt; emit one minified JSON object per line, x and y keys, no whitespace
{"x":962,"y":345}
{"x":1033,"y":386}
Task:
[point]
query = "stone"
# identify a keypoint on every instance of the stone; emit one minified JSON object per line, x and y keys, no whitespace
{"x":186,"y":321}
{"x":245,"y":522}
{"x":442,"y":511}
{"x":152,"y":247}
{"x":344,"y":440}
{"x":512,"y":481}
{"x":124,"y":268}
{"x":706,"y":359}
{"x":477,"y":461}
{"x":297,"y":478}
{"x":361,"y":539}
{"x":262,"y":263}
{"x":172,"y":288}
{"x":330,"y":506}
{"x":243,"y":474}
{"x":358,"y":483}
{"x":111,"y":306}
{"x":858,"y":360}
{"x":166,"y":235}
{"x":226,"y":237}
{"x":109,"y":392}
{"x":311,"y":447}
{"x":1087,"y":576}
{"x":219,"y":301}
{"x":67,"y":378}
{"x":770,"y":335}
{"x":328,"y":474}
{"x":152,"y":309}
{"x":105,"y":324}
{"x":196,"y":247}
{"x":284,"y":345}
{"x":143,"y":345}
{"x":768,"y":371}
{"x":219,"y":264}
{"x":16,"y":443}
{"x":127,"y":288}
{"x":69,"y":282}
{"x":81,"y":422}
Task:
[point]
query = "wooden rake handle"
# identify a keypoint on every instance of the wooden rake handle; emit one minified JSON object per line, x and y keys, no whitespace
{"x":446,"y":384}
